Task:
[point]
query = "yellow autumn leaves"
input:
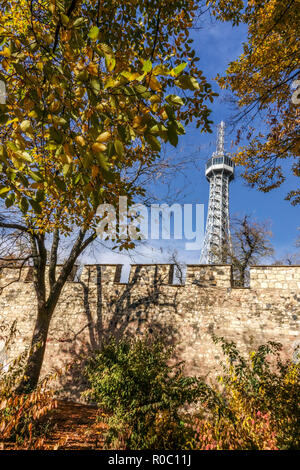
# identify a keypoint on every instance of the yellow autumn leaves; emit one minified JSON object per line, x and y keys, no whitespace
{"x":262,"y":78}
{"x":99,"y":145}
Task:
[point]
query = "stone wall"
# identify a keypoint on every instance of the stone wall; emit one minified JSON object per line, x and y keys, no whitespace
{"x":98,"y":306}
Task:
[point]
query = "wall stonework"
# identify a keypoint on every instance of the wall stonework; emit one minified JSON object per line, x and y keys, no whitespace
{"x":98,"y":306}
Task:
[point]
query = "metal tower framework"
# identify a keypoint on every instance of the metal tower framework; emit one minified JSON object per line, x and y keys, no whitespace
{"x":219,"y":172}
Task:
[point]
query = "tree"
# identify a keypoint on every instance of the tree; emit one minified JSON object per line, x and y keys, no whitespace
{"x":90,"y":94}
{"x":290,"y":258}
{"x":262,"y":79}
{"x":298,"y":240}
{"x":249,"y":244}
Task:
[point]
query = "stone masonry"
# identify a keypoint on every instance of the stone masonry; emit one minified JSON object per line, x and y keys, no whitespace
{"x":97,"y":306}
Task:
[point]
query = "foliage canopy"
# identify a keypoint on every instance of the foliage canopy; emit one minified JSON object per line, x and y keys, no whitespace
{"x":92,"y":89}
{"x":262,"y":78}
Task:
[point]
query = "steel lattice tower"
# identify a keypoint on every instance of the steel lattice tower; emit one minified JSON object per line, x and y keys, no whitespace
{"x":219,"y":172}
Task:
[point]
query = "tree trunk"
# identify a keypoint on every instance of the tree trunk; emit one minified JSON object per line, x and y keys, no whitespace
{"x":242,"y":278}
{"x":37,"y":351}
{"x":46,"y":306}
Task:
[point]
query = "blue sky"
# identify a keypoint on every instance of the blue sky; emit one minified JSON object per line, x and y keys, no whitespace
{"x":217,"y":44}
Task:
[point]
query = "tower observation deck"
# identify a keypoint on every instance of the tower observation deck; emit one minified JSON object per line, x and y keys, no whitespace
{"x":219,"y":172}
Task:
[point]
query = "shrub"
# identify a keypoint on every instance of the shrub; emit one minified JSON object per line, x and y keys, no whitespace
{"x":142,"y":395}
{"x":258,"y":407}
{"x":22,"y":417}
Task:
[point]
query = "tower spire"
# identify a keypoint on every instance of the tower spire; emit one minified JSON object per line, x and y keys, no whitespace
{"x":221,"y":138}
{"x":219,"y":172}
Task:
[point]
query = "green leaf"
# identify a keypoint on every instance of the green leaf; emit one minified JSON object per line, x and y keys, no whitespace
{"x":187,"y":83}
{"x":176,"y":126}
{"x":153,"y":142}
{"x":64,"y":19}
{"x":157,"y":128}
{"x":82,"y":76}
{"x":4,"y":191}
{"x":172,"y":134}
{"x":123,"y":133}
{"x":66,"y":169}
{"x":180,"y":128}
{"x":56,"y":135}
{"x":59,"y":150}
{"x":10,"y":200}
{"x":40,"y":195}
{"x":108,"y":175}
{"x":77,"y":178}
{"x":19,"y":68}
{"x":131,"y":76}
{"x":60,"y":183}
{"x":79,"y":22}
{"x":111,"y":83}
{"x":194,"y":83}
{"x":177,"y":70}
{"x":35,"y":206}
{"x":110,"y":62}
{"x":110,"y":149}
{"x":95,"y":85}
{"x":119,"y":147}
{"x":105,"y":49}
{"x":24,"y":205}
{"x":60,"y":5}
{"x":4,"y":118}
{"x":94,"y":33}
{"x":24,"y":156}
{"x":102,"y":160}
{"x":142,"y":91}
{"x":174,"y":100}
{"x":161,"y":70}
{"x":170,"y":112}
{"x":3,"y":153}
{"x":147,"y":66}
{"x":36,"y":176}
{"x":59,"y":120}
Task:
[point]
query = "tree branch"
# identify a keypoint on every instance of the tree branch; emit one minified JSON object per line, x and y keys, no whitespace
{"x":89,"y":240}
{"x":59,"y":24}
{"x":13,"y":226}
{"x":156,"y":32}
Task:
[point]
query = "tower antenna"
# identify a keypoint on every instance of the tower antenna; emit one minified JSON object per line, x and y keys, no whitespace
{"x":221,"y":138}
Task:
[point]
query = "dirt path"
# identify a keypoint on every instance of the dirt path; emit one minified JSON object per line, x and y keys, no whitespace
{"x":71,"y":426}
{"x":75,"y":428}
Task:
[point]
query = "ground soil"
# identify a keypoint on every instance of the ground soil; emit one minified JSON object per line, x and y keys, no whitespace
{"x":73,"y":427}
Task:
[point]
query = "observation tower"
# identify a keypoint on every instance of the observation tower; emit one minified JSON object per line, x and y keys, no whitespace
{"x":219,"y":172}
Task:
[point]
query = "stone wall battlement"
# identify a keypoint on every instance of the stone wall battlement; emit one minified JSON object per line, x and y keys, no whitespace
{"x":261,"y":277}
{"x":95,"y":305}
